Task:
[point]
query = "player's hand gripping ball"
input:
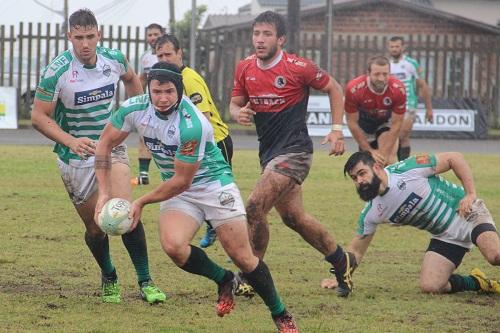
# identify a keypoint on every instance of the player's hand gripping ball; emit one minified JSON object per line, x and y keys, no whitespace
{"x":113,"y":218}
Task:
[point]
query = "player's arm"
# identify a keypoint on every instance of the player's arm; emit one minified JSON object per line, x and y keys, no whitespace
{"x":359,"y":245}
{"x":456,"y":162}
{"x":240,"y":110}
{"x":336,"y":136}
{"x":41,"y":118}
{"x":143,"y":78}
{"x":132,"y":83}
{"x":425,"y":92}
{"x":184,"y":173}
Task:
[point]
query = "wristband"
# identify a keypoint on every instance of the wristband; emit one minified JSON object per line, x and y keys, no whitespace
{"x":337,"y":127}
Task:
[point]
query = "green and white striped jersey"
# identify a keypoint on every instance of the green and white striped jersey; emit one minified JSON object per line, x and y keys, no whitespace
{"x":416,"y":197}
{"x":84,"y":95}
{"x":407,"y":71}
{"x":185,"y":134}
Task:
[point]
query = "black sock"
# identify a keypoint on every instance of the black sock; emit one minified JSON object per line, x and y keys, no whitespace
{"x":337,"y":258}
{"x":463,"y":283}
{"x":200,"y":264}
{"x":135,"y":242}
{"x":100,"y":250}
{"x":262,"y":282}
{"x":403,"y":153}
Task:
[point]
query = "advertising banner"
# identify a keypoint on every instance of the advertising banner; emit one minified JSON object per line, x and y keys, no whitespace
{"x":8,"y":108}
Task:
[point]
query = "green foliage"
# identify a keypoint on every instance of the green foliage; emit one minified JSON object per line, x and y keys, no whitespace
{"x":49,"y":281}
{"x":183,"y":27}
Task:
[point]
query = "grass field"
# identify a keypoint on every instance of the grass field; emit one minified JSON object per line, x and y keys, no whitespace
{"x":50,"y":283}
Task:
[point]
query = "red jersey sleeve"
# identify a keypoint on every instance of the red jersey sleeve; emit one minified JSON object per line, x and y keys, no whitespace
{"x":314,"y":76}
{"x":399,"y":98}
{"x":350,"y":104}
{"x":239,"y":88}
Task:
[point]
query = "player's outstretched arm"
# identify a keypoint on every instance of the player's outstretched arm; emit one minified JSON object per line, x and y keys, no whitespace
{"x":359,"y":246}
{"x":132,"y":83}
{"x":456,"y":162}
{"x":110,"y":138}
{"x":425,"y":92}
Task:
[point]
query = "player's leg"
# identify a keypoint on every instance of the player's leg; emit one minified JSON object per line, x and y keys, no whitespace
{"x":144,"y":162}
{"x":404,"y":135}
{"x":226,"y":147}
{"x":134,"y":241}
{"x":179,"y":222}
{"x":81,"y":186}
{"x":440,"y":261}
{"x":382,"y":138}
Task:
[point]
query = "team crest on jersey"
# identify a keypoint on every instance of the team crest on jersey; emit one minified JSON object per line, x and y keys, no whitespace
{"x":226,"y":199}
{"x":279,"y":82}
{"x":401,"y":185}
{"x":406,"y":208}
{"x":387,"y":101}
{"x":106,"y":70}
{"x":94,"y":95}
{"x":171,"y":131}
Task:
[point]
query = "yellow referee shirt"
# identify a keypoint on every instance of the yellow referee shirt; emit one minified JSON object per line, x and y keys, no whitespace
{"x":197,"y":91}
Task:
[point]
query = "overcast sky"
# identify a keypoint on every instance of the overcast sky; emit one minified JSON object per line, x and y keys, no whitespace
{"x":123,"y":12}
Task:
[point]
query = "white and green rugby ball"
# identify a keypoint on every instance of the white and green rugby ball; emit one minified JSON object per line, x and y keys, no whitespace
{"x":113,"y":218}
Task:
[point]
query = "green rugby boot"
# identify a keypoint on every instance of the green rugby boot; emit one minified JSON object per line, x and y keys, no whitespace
{"x":151,"y":293}
{"x":110,"y":291}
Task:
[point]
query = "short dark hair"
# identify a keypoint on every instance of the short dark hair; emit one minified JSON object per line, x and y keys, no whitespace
{"x":379,"y":60}
{"x":82,"y":18}
{"x":156,"y":26}
{"x":272,"y":18}
{"x":354,"y":159}
{"x":397,"y":38}
{"x":168,"y":38}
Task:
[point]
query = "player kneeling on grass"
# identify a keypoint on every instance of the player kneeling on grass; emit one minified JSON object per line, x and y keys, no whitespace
{"x":197,"y":185}
{"x":410,"y":192}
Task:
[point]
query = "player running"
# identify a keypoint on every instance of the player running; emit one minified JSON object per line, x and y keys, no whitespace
{"x":79,"y":86}
{"x":197,"y":185}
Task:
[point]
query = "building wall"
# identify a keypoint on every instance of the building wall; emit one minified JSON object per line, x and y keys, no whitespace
{"x":386,"y":19}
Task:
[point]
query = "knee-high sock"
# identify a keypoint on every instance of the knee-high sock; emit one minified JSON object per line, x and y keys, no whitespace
{"x":135,"y":242}
{"x":200,"y":264}
{"x":262,"y":282}
{"x":463,"y":283}
{"x":100,"y":251}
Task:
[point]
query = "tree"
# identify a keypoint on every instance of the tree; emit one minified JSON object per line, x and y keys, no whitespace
{"x":183,"y":27}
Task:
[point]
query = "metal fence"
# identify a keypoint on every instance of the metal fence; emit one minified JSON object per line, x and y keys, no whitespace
{"x":455,"y":66}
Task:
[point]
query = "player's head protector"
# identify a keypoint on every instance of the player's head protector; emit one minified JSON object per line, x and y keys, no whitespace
{"x":166,"y":72}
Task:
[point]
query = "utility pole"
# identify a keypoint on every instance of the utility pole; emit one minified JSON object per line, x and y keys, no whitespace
{"x":293,"y":37}
{"x":171,"y":21}
{"x":329,"y":35}
{"x":192,"y":36}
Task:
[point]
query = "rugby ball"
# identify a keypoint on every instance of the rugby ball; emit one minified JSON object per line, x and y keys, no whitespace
{"x":113,"y":218}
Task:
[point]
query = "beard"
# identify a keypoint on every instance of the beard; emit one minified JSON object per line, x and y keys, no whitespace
{"x":272,"y":52}
{"x":396,"y":55}
{"x":369,"y":191}
{"x":378,"y":86}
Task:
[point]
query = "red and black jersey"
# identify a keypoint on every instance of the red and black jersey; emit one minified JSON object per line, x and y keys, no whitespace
{"x":279,"y":93}
{"x":374,"y":108}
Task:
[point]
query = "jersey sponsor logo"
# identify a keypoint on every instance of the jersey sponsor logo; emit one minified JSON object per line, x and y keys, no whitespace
{"x":423,"y":159}
{"x":279,"y":82}
{"x":387,"y":101}
{"x":58,"y":63}
{"x":106,"y":70}
{"x":95,"y":95}
{"x":226,"y":199}
{"x":406,"y":208}
{"x":296,"y":62}
{"x":401,"y":76}
{"x":74,"y":77}
{"x":159,"y":148}
{"x":187,"y":117}
{"x":250,"y":78}
{"x":267,"y":100}
{"x":188,"y":148}
{"x":196,"y":98}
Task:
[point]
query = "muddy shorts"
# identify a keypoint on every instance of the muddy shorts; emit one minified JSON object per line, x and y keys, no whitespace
{"x":293,"y":165}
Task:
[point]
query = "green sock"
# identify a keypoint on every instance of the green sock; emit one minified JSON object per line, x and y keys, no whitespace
{"x":200,"y":264}
{"x":100,"y":251}
{"x":135,"y":242}
{"x":262,"y":282}
{"x":463,"y":283}
{"x":144,"y":164}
